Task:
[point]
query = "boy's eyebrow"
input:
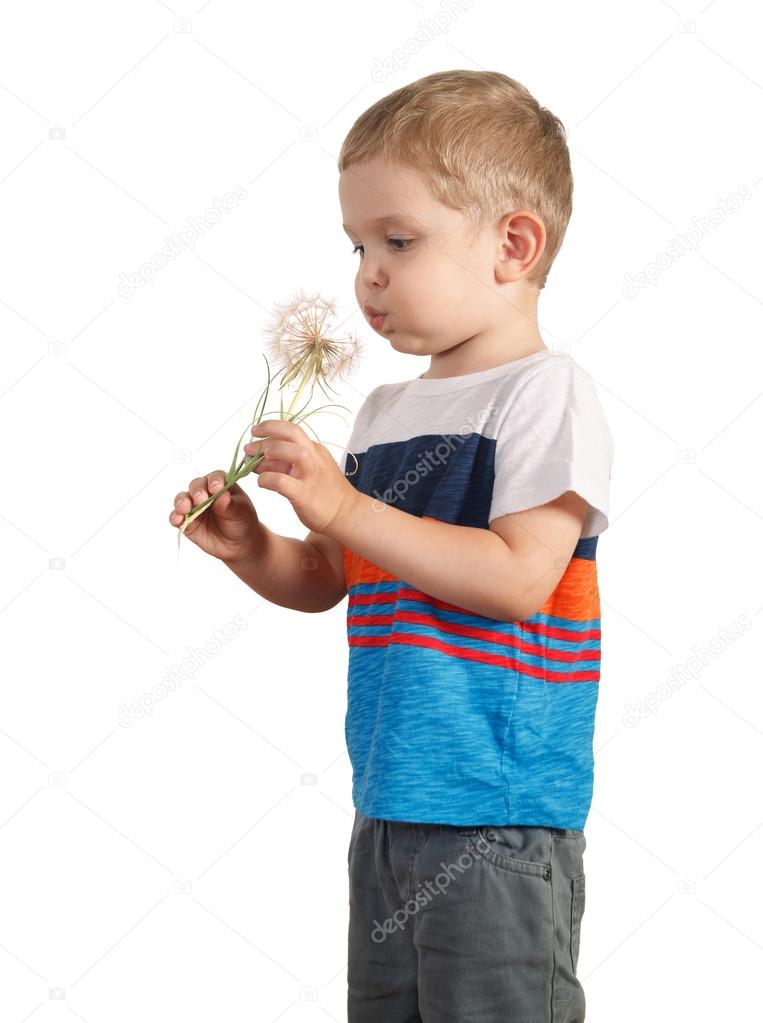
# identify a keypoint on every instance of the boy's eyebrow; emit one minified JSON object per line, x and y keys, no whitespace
{"x":389,"y":219}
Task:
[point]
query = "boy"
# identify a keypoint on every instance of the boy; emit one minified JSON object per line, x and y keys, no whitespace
{"x":464,"y":529}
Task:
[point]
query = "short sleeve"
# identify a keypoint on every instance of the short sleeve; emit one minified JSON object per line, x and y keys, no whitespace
{"x":359,"y":425}
{"x":554,"y":437}
{"x":348,"y":462}
{"x":345,"y":458}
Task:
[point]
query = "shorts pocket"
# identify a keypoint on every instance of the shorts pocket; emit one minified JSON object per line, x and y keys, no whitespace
{"x":353,"y":833}
{"x":578,"y":907}
{"x":361,"y":855}
{"x":512,"y":848}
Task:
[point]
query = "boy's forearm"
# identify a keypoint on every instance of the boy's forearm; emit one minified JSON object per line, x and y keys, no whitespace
{"x":465,"y":566}
{"x":289,"y":572}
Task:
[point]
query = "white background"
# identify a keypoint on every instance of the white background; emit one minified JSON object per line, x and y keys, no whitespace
{"x":186,"y":867}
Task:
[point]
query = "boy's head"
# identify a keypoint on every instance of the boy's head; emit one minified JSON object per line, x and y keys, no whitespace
{"x":480,"y":172}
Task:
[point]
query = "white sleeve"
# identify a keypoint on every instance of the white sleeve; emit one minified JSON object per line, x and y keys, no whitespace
{"x":345,"y":459}
{"x":356,"y":434}
{"x":554,"y":437}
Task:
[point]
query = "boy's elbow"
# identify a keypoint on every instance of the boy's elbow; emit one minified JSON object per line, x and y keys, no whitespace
{"x":520,"y":611}
{"x":333,"y":600}
{"x":516,"y":612}
{"x":519,"y":614}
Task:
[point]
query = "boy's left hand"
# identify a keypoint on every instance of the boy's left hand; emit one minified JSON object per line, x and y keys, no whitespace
{"x":303,"y":471}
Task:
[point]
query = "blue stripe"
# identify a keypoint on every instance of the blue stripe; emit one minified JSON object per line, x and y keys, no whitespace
{"x":509,"y":628}
{"x":392,"y":588}
{"x":477,"y":642}
{"x":467,"y":741}
{"x":547,"y":661}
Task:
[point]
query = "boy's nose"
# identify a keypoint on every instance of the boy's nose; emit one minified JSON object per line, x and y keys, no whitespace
{"x":372,"y":275}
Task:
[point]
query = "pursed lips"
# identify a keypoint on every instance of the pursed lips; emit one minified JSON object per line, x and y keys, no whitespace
{"x":375,"y":316}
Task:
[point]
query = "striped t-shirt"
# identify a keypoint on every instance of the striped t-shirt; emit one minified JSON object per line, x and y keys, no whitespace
{"x":454,"y":718}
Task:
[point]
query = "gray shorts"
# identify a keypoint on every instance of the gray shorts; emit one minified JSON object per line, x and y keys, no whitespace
{"x":464,"y":924}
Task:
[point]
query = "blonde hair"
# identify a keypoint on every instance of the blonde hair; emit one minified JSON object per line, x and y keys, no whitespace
{"x":484,"y":145}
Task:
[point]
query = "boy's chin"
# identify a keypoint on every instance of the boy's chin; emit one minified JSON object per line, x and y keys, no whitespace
{"x":406,"y":345}
{"x":401,"y":342}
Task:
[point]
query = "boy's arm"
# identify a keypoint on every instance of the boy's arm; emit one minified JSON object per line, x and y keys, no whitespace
{"x":506,"y":572}
{"x":304,"y":575}
{"x":332,"y":552}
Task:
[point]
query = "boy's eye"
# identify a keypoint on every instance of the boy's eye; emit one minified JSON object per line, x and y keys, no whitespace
{"x":393,"y":242}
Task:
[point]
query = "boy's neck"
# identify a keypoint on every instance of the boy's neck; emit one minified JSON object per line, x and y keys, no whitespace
{"x":462,"y":359}
{"x":512,"y":335}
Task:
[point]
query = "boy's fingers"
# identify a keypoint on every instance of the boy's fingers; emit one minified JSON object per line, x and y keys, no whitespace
{"x":181,"y":499}
{"x":197,"y":489}
{"x":273,"y":465}
{"x":222,"y":499}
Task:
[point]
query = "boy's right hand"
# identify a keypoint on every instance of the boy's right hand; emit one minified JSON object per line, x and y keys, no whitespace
{"x":229,"y":528}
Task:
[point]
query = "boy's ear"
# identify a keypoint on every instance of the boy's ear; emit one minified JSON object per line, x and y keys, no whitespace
{"x":521,"y":240}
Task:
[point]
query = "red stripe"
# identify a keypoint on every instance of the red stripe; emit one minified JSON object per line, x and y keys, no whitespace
{"x":499,"y":660}
{"x":484,"y":635}
{"x":536,"y":628}
{"x":406,"y":593}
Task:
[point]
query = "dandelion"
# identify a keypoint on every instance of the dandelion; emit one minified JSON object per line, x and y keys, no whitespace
{"x":300,"y":339}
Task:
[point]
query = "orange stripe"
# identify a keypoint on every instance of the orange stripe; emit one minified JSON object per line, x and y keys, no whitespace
{"x":576,"y":597}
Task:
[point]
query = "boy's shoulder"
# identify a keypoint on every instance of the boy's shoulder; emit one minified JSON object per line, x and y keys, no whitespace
{"x":545,"y":386}
{"x":552,"y":371}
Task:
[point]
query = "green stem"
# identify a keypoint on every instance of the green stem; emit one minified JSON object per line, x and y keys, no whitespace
{"x":199,"y":509}
{"x":245,"y":466}
{"x":303,"y":381}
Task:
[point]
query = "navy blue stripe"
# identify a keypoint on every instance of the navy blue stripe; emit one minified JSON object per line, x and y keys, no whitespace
{"x":586,"y":548}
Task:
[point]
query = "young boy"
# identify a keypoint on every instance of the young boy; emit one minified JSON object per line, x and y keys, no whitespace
{"x":463,"y":524}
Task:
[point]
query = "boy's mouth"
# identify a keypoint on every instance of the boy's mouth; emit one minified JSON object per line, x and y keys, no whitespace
{"x":375,"y":317}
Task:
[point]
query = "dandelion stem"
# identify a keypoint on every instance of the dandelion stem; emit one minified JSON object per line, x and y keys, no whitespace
{"x":312,"y":355}
{"x":248,"y":466}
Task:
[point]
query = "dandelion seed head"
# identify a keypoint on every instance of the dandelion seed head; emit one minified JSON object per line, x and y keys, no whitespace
{"x":302,"y":339}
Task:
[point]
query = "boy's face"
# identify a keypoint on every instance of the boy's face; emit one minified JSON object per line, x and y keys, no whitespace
{"x":431,"y":278}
